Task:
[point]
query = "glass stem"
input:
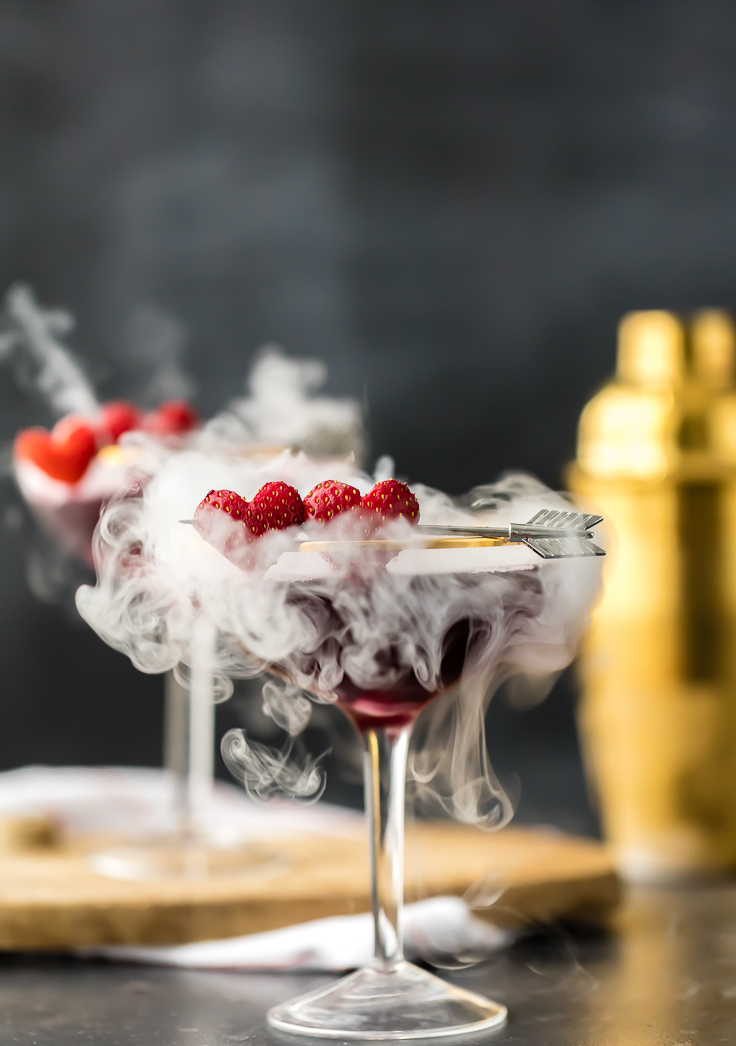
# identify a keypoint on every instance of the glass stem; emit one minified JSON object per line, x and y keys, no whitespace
{"x":190,"y":734}
{"x":384,"y":774}
{"x":176,"y":742}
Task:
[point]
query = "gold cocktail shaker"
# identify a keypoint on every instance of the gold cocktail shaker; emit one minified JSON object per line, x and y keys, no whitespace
{"x":657,"y":458}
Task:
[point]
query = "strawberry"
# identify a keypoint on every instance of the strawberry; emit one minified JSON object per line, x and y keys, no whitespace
{"x":115,"y":418}
{"x":173,"y":418}
{"x":228,"y":523}
{"x":280,"y":506}
{"x":391,"y":499}
{"x":64,"y":453}
{"x":388,"y":500}
{"x":330,"y":498}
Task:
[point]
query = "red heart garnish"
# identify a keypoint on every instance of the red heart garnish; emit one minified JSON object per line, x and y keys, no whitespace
{"x":64,"y":453}
{"x":173,"y":418}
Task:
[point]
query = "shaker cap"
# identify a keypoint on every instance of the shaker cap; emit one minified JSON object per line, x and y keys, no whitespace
{"x":651,"y":348}
{"x":713,"y":341}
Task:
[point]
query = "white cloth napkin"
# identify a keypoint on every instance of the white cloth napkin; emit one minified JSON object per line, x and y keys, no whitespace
{"x":138,"y":801}
{"x":435,"y":928}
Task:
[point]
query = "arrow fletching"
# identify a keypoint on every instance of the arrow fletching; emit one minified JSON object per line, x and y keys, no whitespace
{"x":565,"y":520}
{"x":566,"y":545}
{"x":551,"y":534}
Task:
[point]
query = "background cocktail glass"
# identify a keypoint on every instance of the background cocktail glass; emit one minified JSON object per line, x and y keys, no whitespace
{"x":282,"y":410}
{"x":197,"y":845}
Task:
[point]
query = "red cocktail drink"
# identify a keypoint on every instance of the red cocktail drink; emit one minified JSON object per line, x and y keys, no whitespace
{"x":396,"y":706}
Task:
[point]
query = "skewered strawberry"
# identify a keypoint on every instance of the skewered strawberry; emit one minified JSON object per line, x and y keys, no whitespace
{"x":280,"y":506}
{"x":362,"y":516}
{"x":231,"y":524}
{"x":391,"y":499}
{"x":228,"y":523}
{"x":329,"y":499}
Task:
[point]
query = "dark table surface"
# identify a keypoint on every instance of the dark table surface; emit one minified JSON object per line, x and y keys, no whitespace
{"x":664,"y":976}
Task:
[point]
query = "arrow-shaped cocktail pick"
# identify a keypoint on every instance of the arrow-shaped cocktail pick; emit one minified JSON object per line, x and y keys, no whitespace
{"x":551,"y":534}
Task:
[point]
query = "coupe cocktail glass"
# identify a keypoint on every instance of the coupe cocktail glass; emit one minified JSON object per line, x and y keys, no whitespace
{"x":392,"y":998}
{"x":196,"y":843}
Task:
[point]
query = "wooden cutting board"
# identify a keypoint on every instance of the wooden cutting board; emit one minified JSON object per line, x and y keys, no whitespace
{"x":51,"y":899}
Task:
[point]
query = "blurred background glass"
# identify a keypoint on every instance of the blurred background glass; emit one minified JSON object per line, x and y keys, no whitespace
{"x":450,"y":204}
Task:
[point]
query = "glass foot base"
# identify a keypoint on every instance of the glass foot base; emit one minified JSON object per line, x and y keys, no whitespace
{"x":402,"y":1002}
{"x":179,"y":859}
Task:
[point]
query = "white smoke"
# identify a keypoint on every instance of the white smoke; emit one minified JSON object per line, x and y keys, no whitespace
{"x":31,"y":338}
{"x":371,"y":620}
{"x":264,"y":772}
{"x":280,"y":411}
{"x":287,"y":706}
{"x":282,"y":408}
{"x":155,"y":347}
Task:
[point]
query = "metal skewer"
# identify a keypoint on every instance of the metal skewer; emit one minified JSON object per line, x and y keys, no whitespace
{"x":550,"y":533}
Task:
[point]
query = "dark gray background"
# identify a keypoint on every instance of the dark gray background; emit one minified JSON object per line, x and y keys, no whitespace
{"x":450,"y":203}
